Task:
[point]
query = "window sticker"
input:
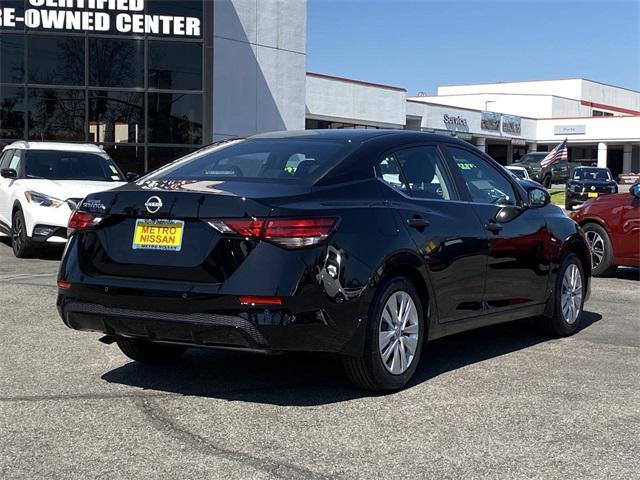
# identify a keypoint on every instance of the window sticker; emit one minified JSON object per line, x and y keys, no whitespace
{"x":465,"y":165}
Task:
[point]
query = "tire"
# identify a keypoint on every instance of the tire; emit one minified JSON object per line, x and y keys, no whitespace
{"x":147,"y":352}
{"x":601,"y":250}
{"x":370,"y":371}
{"x":21,"y":244}
{"x":546,"y":181}
{"x":559,"y":321}
{"x":568,"y":205}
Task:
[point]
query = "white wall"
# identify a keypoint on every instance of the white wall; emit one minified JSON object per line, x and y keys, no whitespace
{"x":610,"y":95}
{"x":576,"y":89}
{"x":349,"y":101}
{"x":433,"y":119}
{"x":597,"y":129}
{"x":259,"y":66}
{"x":571,"y":88}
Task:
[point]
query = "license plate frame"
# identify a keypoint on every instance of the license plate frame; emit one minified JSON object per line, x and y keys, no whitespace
{"x":163,"y":235}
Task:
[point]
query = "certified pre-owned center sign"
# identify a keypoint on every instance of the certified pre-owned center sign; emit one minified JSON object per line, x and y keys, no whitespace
{"x":122,"y":16}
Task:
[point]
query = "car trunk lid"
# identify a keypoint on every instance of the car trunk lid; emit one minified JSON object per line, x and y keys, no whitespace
{"x":202,"y":253}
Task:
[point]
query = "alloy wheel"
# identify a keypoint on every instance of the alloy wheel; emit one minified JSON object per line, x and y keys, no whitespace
{"x":596,"y":245}
{"x":571,"y":295}
{"x":16,"y":238}
{"x":398,"y":332}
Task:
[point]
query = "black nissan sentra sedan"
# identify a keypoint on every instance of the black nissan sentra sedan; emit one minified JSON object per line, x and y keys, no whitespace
{"x":365,"y":244}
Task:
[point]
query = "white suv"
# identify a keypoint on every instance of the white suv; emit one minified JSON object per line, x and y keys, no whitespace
{"x":40,"y":186}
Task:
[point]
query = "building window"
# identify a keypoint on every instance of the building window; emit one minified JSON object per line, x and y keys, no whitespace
{"x":175,"y":118}
{"x":175,"y":65}
{"x":116,"y":63}
{"x":56,"y":60}
{"x":12,"y":56}
{"x":159,"y":156}
{"x":129,"y":158}
{"x":116,"y":117}
{"x":600,"y":113}
{"x":134,"y":94}
{"x":56,"y":114}
{"x":11,"y":113}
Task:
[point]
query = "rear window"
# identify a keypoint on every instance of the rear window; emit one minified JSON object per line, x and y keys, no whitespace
{"x":57,"y":165}
{"x":284,"y":159}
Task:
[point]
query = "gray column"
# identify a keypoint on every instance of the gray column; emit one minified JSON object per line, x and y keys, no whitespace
{"x":532,"y":147}
{"x":481,"y":143}
{"x":602,"y":155}
{"x":626,"y":158}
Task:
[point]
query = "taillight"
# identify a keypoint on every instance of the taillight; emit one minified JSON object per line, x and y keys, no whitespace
{"x":251,"y":227}
{"x":83,"y":220}
{"x":286,"y":232}
{"x":249,"y":300}
{"x":298,"y":232}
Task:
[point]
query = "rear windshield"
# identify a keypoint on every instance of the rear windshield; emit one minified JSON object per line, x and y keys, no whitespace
{"x":283,"y":159}
{"x":517,"y":172}
{"x":591,"y":174}
{"x":56,"y":165}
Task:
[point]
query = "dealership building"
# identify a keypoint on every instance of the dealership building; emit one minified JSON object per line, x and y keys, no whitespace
{"x":151,"y":80}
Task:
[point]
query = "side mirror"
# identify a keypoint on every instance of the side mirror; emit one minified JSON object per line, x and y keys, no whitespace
{"x":538,"y":197}
{"x":132,"y":176}
{"x":635,"y":190}
{"x":8,"y":173}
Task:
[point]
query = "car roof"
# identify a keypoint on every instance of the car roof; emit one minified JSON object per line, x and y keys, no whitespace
{"x":56,"y":146}
{"x":357,"y":134}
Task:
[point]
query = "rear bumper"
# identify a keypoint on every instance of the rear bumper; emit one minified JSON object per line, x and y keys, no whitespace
{"x":191,"y":329}
{"x":196,"y":325}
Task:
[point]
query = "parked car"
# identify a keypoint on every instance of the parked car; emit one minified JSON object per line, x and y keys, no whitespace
{"x":376,"y":242}
{"x":556,"y":173}
{"x":42,"y":183}
{"x":520,"y":173}
{"x":586,"y":183}
{"x":612,"y":227}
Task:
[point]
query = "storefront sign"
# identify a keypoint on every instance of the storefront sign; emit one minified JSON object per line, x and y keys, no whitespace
{"x":511,"y":124}
{"x":119,"y":16}
{"x":569,"y":129}
{"x":490,"y":121}
{"x":455,"y":122}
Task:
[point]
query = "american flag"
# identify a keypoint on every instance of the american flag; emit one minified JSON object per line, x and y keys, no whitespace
{"x":559,"y":153}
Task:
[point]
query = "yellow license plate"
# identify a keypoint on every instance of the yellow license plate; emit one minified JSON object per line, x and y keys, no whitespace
{"x":158,"y":235}
{"x":593,"y":195}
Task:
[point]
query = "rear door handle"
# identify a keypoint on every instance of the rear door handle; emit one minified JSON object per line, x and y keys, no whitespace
{"x":493,"y":227}
{"x":418,"y":222}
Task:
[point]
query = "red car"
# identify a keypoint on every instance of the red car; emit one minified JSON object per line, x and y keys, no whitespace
{"x":612,"y":227}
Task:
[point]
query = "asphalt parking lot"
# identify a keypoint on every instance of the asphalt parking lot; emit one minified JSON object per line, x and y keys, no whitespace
{"x":502,"y":402}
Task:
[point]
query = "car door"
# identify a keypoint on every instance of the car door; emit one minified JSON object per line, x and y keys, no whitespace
{"x":517,"y":265}
{"x":627,"y":235}
{"x":4,"y":189}
{"x":445,"y":230}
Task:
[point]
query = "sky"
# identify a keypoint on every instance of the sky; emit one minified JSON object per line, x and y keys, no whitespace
{"x":420,"y":44}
